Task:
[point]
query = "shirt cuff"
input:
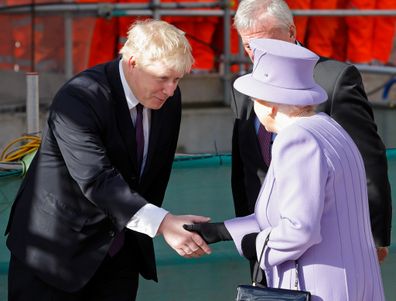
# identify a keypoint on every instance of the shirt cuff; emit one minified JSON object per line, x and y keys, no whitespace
{"x":147,"y":220}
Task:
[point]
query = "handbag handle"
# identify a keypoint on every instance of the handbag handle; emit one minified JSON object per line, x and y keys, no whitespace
{"x":257,"y":267}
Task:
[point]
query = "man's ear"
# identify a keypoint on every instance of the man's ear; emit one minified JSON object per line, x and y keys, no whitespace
{"x":293,"y":32}
{"x":132,"y":62}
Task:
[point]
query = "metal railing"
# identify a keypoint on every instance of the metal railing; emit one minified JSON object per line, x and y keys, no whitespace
{"x":157,"y":9}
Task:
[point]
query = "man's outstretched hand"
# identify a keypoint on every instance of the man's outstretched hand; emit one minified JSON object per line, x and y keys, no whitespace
{"x":210,"y":232}
{"x":186,"y":244}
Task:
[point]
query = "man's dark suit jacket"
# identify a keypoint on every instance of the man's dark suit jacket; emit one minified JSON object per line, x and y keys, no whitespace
{"x":347,"y":103}
{"x":83,"y":185}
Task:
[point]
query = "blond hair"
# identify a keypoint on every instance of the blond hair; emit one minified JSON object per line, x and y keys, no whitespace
{"x":154,"y":40}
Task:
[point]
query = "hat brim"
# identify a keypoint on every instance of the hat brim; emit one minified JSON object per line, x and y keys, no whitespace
{"x":249,"y":86}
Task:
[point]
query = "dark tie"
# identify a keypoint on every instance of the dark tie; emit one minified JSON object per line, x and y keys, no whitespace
{"x":264,"y":138}
{"x":117,"y":243}
{"x":120,"y":237}
{"x":139,"y":135}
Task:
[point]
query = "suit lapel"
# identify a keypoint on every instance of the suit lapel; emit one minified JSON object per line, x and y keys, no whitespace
{"x":252,"y":136}
{"x":241,"y":105}
{"x":124,"y":121}
{"x":249,"y":108}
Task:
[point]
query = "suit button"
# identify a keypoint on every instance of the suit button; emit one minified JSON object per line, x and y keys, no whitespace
{"x":111,"y":233}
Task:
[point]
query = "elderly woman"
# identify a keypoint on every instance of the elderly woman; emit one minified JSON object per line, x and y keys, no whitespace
{"x":313,"y":204}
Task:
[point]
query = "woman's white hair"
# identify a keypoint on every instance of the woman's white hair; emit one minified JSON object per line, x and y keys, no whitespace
{"x":154,"y":40}
{"x":252,"y":14}
{"x":293,"y":110}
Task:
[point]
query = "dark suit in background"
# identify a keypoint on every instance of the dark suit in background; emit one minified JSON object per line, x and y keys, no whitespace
{"x":347,"y":103}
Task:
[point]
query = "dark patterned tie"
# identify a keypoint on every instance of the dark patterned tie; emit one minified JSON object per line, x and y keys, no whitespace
{"x":139,"y":135}
{"x":264,"y":138}
{"x":120,"y":237}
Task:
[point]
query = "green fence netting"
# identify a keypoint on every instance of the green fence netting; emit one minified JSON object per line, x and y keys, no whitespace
{"x":200,"y":185}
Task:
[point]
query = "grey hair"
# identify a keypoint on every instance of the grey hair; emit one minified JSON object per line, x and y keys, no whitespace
{"x":294,"y":110}
{"x":251,"y":14}
{"x":288,"y":109}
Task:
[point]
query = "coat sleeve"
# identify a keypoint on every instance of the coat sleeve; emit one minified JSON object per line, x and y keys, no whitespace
{"x":300,"y":174}
{"x":239,"y":227}
{"x":78,"y":129}
{"x":351,"y":109}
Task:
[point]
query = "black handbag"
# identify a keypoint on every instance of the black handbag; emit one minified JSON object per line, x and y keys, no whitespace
{"x":255,"y":292}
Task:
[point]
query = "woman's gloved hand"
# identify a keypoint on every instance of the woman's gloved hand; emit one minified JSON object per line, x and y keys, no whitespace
{"x":248,"y":246}
{"x":210,"y":232}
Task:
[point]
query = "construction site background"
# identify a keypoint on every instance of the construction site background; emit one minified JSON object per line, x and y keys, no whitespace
{"x":34,"y":40}
{"x":37,"y":36}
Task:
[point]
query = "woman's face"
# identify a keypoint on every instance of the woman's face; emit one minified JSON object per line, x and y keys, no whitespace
{"x":264,"y":113}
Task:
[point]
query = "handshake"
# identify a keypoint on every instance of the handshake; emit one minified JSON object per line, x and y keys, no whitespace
{"x":215,"y":232}
{"x":210,"y":232}
{"x":190,"y":235}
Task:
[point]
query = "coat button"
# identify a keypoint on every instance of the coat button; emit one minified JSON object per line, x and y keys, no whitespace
{"x":111,"y":233}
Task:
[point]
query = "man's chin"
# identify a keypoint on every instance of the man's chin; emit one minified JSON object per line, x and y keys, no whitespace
{"x":157,"y":104}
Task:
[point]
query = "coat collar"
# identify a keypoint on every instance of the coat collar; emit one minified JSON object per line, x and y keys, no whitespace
{"x":124,"y":121}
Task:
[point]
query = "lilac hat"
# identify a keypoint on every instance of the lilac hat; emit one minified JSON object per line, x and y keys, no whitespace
{"x":282,"y":73}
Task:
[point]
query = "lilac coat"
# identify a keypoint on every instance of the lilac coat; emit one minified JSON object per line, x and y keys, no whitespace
{"x":314,"y":203}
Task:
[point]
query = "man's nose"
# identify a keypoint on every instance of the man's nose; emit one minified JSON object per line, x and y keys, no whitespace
{"x":169,"y":89}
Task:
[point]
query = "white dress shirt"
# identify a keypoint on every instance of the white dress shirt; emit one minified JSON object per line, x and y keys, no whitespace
{"x":148,"y":219}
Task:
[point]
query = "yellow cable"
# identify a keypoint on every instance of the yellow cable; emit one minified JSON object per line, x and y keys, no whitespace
{"x":31,"y":144}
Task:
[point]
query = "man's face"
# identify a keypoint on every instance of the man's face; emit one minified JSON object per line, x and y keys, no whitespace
{"x":152,"y":85}
{"x":269,"y":30}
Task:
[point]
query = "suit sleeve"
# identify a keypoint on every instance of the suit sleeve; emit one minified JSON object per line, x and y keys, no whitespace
{"x":351,"y":109}
{"x":241,"y":203}
{"x":77,"y":129}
